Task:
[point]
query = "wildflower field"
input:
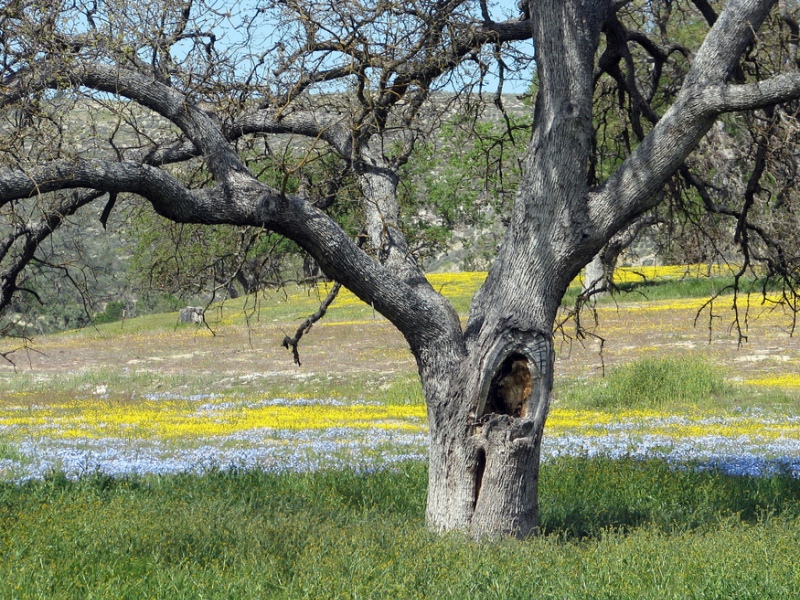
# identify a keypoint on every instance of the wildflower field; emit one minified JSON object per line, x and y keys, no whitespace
{"x":147,"y":396}
{"x":147,"y":459}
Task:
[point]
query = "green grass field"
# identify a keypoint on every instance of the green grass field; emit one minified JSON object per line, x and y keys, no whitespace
{"x":329,"y":503}
{"x":612,"y":529}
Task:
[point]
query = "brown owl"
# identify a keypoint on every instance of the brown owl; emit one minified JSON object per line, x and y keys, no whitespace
{"x":510,"y":389}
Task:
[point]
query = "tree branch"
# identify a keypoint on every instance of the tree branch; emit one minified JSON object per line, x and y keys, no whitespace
{"x":728,"y":98}
{"x":171,"y":104}
{"x":633,"y":188}
{"x":312,"y":123}
{"x":29,"y":238}
{"x":290,"y":343}
{"x":164,"y":191}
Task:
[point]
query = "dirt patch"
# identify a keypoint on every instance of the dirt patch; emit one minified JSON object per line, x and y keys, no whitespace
{"x":636,"y":331}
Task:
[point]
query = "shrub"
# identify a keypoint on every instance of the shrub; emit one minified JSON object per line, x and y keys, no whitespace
{"x":114,"y":312}
{"x":654,"y":383}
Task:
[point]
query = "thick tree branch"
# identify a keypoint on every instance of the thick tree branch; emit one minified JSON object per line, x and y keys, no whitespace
{"x":167,"y":194}
{"x":708,"y":12}
{"x":728,"y":98}
{"x":409,"y":304}
{"x":197,"y":125}
{"x":311,"y":123}
{"x":634,"y":187}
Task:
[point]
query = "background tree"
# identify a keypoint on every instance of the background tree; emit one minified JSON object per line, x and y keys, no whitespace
{"x":458,"y":185}
{"x":191,"y":119}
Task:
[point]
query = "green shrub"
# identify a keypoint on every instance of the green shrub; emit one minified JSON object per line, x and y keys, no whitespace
{"x":653,"y":383}
{"x":115,"y":311}
{"x":155,"y":302}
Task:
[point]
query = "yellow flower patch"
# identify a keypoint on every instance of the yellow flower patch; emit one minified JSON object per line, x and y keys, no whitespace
{"x":465,"y":284}
{"x":635,"y":274}
{"x":175,"y":419}
{"x":167,"y":420}
{"x":757,"y":302}
{"x":784,"y":380}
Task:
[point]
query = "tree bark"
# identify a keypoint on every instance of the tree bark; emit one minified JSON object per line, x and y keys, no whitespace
{"x":486,"y":434}
{"x":598,"y":277}
{"x":486,"y":410}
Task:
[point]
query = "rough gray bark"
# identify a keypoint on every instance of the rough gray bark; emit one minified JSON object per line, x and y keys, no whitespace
{"x":487,"y":386}
{"x":598,"y":275}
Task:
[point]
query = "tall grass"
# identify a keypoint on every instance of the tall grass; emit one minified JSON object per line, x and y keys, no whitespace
{"x":662,"y":383}
{"x":612,"y":529}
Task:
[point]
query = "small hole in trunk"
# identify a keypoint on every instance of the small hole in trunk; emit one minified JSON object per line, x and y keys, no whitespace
{"x":480,"y":467}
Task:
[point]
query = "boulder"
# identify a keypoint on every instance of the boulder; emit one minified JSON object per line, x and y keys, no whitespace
{"x":192,"y":314}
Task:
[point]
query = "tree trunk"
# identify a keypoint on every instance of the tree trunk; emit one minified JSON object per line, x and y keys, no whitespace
{"x":487,"y":413}
{"x":597,"y":276}
{"x":487,"y":405}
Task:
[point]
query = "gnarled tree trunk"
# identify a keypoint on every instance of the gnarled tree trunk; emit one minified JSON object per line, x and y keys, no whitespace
{"x":485,"y":453}
{"x":486,"y":436}
{"x":488,"y":402}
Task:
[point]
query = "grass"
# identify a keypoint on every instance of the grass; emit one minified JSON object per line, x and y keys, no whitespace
{"x":120,"y":385}
{"x":677,"y":384}
{"x":661,"y":383}
{"x":634,"y":286}
{"x":9,"y":452}
{"x":293,"y":303}
{"x":612,"y":529}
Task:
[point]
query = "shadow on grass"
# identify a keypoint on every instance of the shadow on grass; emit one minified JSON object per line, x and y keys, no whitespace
{"x":585,"y":497}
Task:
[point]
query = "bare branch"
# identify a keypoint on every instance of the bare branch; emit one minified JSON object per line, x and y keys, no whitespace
{"x":290,"y":343}
{"x":680,"y":129}
{"x":728,"y":98}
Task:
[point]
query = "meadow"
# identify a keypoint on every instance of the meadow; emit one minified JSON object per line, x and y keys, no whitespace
{"x":146,"y":459}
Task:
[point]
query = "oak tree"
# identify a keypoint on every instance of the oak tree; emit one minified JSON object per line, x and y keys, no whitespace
{"x":178,"y":103}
